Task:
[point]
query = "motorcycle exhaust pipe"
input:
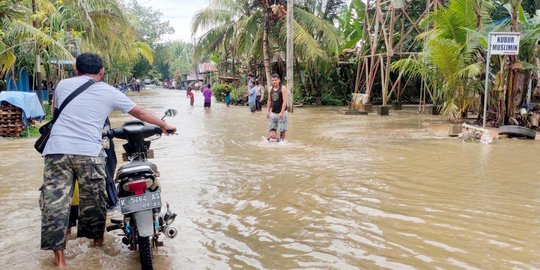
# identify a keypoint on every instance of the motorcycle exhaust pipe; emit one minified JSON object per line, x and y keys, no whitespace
{"x":171,"y":232}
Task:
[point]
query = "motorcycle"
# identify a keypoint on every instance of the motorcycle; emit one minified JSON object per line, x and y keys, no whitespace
{"x":139,"y":191}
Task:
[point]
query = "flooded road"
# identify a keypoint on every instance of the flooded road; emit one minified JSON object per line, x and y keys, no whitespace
{"x":345,"y":192}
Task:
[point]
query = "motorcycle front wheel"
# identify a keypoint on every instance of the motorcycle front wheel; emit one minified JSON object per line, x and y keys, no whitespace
{"x":145,"y":251}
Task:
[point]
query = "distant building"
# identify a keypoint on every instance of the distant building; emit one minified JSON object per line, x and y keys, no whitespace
{"x":207,"y":68}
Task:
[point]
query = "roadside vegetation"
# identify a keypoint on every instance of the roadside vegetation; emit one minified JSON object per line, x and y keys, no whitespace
{"x":248,"y":36}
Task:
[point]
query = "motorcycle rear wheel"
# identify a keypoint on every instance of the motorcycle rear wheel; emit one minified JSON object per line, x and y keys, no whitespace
{"x":145,"y":251}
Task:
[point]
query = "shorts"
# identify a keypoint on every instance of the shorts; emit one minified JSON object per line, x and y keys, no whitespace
{"x":207,"y":104}
{"x":252,"y":107}
{"x":56,"y":197}
{"x":280,"y":125}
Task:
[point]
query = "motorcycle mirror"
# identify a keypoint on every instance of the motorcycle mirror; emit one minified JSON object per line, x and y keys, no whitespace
{"x":170,"y":113}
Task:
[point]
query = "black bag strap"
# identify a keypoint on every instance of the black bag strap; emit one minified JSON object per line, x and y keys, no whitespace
{"x":71,"y":97}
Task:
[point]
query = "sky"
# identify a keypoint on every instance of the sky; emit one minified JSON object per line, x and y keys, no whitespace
{"x":179,"y":13}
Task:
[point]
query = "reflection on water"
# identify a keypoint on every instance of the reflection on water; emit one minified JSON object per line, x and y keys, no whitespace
{"x":344,"y":192}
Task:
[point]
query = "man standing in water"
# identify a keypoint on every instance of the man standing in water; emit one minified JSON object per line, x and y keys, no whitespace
{"x":276,"y":107}
{"x":74,"y":150}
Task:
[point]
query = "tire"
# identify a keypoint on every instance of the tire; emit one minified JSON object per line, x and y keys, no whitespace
{"x":518,"y":131}
{"x":145,"y":251}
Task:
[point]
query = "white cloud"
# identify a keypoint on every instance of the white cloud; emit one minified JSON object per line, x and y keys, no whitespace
{"x":179,"y":13}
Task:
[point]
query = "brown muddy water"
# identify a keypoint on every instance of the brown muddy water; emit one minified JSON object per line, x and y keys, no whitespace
{"x":345,"y":192}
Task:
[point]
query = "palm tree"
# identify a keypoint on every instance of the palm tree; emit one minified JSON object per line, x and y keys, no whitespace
{"x":449,"y":63}
{"x":64,"y":27}
{"x":250,"y":29}
{"x":230,"y":27}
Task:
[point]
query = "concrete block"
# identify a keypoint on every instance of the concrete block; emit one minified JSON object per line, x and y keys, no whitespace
{"x":454,"y":130}
{"x":383,"y":110}
{"x":352,"y":112}
{"x":431,"y":109}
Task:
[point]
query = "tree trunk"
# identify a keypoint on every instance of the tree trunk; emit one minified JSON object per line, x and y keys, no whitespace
{"x":38,"y":59}
{"x":511,"y":81}
{"x":290,"y":54}
{"x":266,"y":47}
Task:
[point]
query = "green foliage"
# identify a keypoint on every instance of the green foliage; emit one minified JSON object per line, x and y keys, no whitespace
{"x":154,"y":74}
{"x":118,"y":71}
{"x":48,"y":114}
{"x":148,"y":22}
{"x":351,"y":23}
{"x":331,"y":100}
{"x":448,"y":64}
{"x":30,"y":132}
{"x":141,"y":68}
{"x":174,"y":59}
{"x":219,"y":91}
{"x":180,"y":56}
{"x":233,"y":31}
{"x":239,"y":95}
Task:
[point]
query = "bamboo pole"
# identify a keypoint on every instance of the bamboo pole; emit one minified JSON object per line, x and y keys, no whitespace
{"x":389,"y":55}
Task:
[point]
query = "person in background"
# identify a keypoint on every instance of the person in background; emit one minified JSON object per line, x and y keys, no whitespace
{"x":207,"y":93}
{"x":138,"y":85}
{"x":51,"y":88}
{"x":227,"y":96}
{"x":252,"y":97}
{"x":190,"y":95}
{"x":251,"y":81}
{"x":259,"y":91}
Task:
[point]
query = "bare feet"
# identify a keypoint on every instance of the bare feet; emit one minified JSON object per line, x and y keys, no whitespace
{"x":98,"y":242}
{"x":59,"y":259}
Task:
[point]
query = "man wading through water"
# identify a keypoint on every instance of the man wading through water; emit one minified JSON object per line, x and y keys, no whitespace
{"x":276,"y":106}
{"x":74,"y":151}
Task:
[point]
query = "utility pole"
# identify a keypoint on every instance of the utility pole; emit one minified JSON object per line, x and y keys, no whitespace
{"x":37,"y":84}
{"x":196,"y":64}
{"x":290,"y":54}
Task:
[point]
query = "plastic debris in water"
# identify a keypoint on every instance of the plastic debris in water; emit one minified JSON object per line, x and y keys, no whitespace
{"x":486,"y":138}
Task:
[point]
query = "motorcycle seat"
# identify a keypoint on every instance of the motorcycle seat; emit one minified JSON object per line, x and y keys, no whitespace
{"x":137,"y":167}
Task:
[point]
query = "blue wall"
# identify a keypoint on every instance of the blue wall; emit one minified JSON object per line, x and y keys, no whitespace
{"x":22,"y":84}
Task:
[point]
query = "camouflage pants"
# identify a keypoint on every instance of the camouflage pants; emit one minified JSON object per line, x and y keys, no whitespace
{"x":58,"y":183}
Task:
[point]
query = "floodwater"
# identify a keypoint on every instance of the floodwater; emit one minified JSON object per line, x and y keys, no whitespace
{"x":345,"y":192}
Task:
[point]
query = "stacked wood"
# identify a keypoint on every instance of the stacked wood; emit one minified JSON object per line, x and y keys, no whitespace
{"x":10,"y":120}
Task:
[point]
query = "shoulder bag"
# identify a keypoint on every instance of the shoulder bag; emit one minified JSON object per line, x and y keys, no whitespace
{"x":46,"y":129}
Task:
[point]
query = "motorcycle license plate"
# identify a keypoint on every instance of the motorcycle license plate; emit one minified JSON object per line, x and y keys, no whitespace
{"x":141,"y":202}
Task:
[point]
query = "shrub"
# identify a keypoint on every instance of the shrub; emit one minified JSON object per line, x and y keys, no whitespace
{"x":239,"y":95}
{"x":332,"y":100}
{"x":219,"y":91}
{"x":32,"y":131}
{"x":48,"y":114}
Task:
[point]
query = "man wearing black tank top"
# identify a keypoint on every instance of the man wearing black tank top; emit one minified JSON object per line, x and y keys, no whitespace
{"x":278,"y":97}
